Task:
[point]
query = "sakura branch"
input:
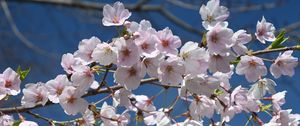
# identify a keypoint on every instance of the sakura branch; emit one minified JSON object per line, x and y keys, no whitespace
{"x":142,"y":54}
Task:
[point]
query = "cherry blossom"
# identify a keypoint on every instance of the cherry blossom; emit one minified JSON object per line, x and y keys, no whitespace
{"x":34,"y":94}
{"x":264,"y":31}
{"x":220,"y":62}
{"x":133,"y":26}
{"x":189,"y":122}
{"x":245,"y":102}
{"x":261,"y":87}
{"x":115,"y":15}
{"x":213,"y":13}
{"x":202,"y":107}
{"x":240,"y":38}
{"x":71,"y":101}
{"x":121,"y":98}
{"x":167,"y":43}
{"x":201,"y":84}
{"x":252,"y":66}
{"x":86,"y":48}
{"x":146,"y":43}
{"x":278,"y":100}
{"x":195,"y":58}
{"x":284,"y":64}
{"x":219,"y":39}
{"x":56,"y":86}
{"x":9,"y":83}
{"x":110,"y":118}
{"x":151,"y":65}
{"x":127,"y":54}
{"x":83,"y":77}
{"x":88,"y":118}
{"x":160,"y":118}
{"x":6,"y":120}
{"x":130,"y":77}
{"x":170,"y":71}
{"x":105,"y":54}
{"x":284,"y":118}
{"x":68,"y":62}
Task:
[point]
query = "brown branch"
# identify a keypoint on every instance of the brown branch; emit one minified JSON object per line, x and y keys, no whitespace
{"x":90,"y":93}
{"x":260,"y":52}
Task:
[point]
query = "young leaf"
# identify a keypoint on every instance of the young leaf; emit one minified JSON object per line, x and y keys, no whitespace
{"x":279,"y":40}
{"x":17,"y":123}
{"x":265,"y":107}
{"x":23,"y":73}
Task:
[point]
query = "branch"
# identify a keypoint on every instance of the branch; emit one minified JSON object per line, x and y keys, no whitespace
{"x":90,"y":93}
{"x":297,"y":47}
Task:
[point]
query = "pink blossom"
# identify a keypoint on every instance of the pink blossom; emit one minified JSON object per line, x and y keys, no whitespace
{"x":201,"y":84}
{"x":151,"y":65}
{"x":6,"y":120}
{"x":110,"y":118}
{"x":127,"y":54}
{"x":71,"y":101}
{"x":56,"y":86}
{"x":171,"y":70}
{"x":205,"y":107}
{"x":284,"y":64}
{"x":195,"y":58}
{"x":167,"y":43}
{"x":133,"y":26}
{"x":83,"y":77}
{"x":284,"y":118}
{"x":252,"y":66}
{"x":189,"y":122}
{"x":213,"y":13}
{"x":220,"y":62}
{"x":121,"y":98}
{"x":86,"y":48}
{"x":115,"y":15}
{"x":146,"y":43}
{"x":278,"y":100}
{"x":9,"y":83}
{"x":68,"y":62}
{"x":160,"y":118}
{"x":240,"y":38}
{"x":105,"y":54}
{"x":243,"y":100}
{"x":261,"y":87}
{"x":130,"y":77}
{"x":219,"y":39}
{"x":34,"y":94}
{"x":88,"y":118}
{"x":265,"y":31}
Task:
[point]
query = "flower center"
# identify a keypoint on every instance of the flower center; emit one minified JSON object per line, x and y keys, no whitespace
{"x":252,"y":63}
{"x":39,"y":97}
{"x":115,"y":19}
{"x":59,"y":91}
{"x":132,"y":72}
{"x":214,"y":38}
{"x":169,"y":69}
{"x":71,"y":100}
{"x":126,"y":52}
{"x":165,"y":43}
{"x":145,"y":46}
{"x":8,"y":83}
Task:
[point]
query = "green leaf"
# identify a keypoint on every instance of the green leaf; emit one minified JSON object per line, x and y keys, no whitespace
{"x":23,"y":73}
{"x":218,"y":92}
{"x":265,"y":107}
{"x":17,"y":123}
{"x":236,"y":61}
{"x":279,"y":40}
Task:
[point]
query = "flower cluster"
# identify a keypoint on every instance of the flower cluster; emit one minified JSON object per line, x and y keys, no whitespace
{"x":201,"y":71}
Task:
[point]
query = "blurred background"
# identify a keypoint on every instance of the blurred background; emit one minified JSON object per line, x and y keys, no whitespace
{"x":36,"y":33}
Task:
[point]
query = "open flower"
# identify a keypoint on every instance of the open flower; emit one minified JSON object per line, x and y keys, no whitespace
{"x":167,"y":43}
{"x":115,"y":15}
{"x":151,"y":65}
{"x":71,"y":101}
{"x":284,"y":118}
{"x":278,"y":100}
{"x":34,"y":94}
{"x":195,"y":58}
{"x":127,"y":54}
{"x":105,"y":54}
{"x":252,"y":66}
{"x":219,"y":39}
{"x":88,"y":118}
{"x":171,"y":70}
{"x":202,"y":107}
{"x":110,"y":118}
{"x":130,"y":77}
{"x":284,"y":64}
{"x":83,"y":77}
{"x":213,"y":13}
{"x":56,"y":86}
{"x":220,"y":62}
{"x":68,"y":62}
{"x":86,"y":48}
{"x":28,"y":123}
{"x":9,"y":83}
{"x":6,"y":120}
{"x":146,"y":43}
{"x":240,"y":38}
{"x":265,"y":31}
{"x":261,"y":87}
{"x":243,"y":100}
